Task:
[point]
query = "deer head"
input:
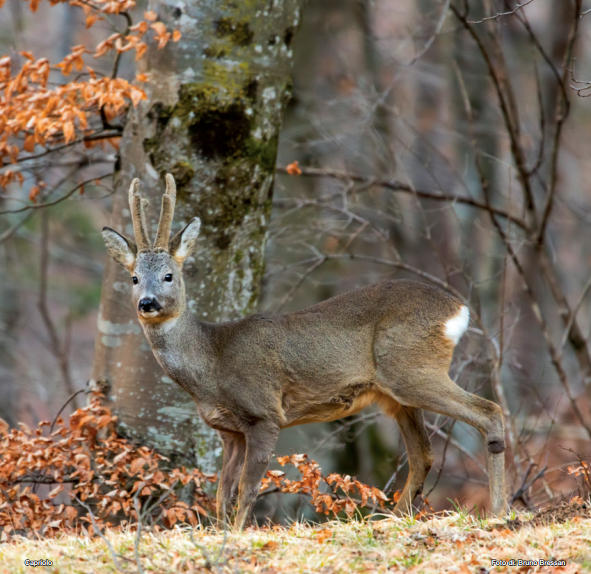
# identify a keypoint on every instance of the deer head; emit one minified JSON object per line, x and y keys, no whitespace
{"x":158,"y":290}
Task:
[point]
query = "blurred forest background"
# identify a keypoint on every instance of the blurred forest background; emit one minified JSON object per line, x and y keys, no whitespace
{"x":438,"y":139}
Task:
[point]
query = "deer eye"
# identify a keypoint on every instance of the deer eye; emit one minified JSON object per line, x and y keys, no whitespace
{"x":135,"y":280}
{"x":168,"y":277}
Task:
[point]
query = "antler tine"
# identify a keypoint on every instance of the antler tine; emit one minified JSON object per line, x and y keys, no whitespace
{"x":137,"y":216}
{"x":166,"y":214}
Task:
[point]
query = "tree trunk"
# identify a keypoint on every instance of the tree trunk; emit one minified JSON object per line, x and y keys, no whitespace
{"x":212,"y":119}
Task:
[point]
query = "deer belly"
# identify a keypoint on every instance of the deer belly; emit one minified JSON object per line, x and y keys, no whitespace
{"x":300,"y":407}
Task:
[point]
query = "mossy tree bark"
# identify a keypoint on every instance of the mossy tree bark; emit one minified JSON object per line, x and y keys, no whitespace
{"x":212,"y":119}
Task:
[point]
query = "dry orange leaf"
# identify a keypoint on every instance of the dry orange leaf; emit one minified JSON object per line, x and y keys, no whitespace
{"x":29,"y":143}
{"x":140,"y":50}
{"x":34,"y":193}
{"x":91,"y":19}
{"x":323,"y":535}
{"x":159,"y":28}
{"x":294,"y":168}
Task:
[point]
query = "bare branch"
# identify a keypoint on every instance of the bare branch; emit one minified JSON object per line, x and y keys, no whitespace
{"x":507,"y":103}
{"x":560,"y":114}
{"x":499,"y":15}
{"x":72,"y":191}
{"x":59,"y":351}
{"x":438,"y":26}
{"x":408,"y":189}
{"x":95,"y":526}
{"x":438,"y":431}
{"x":138,"y":534}
{"x":8,"y":233}
{"x":573,"y":313}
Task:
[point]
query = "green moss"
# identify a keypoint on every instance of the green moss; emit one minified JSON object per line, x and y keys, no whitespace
{"x":221,"y":128}
{"x":183,"y":173}
{"x":150,"y":145}
{"x":216,"y":51}
{"x":263,"y":152}
{"x":238,"y":31}
{"x":227,"y":210}
{"x":221,"y":131}
{"x":230,"y":81}
{"x":160,"y":115}
{"x":217,"y":128}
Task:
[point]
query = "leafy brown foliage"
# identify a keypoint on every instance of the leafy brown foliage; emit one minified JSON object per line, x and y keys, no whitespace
{"x":60,"y":478}
{"x":85,"y":461}
{"x":35,"y":111}
{"x":330,"y":494}
{"x":582,"y":471}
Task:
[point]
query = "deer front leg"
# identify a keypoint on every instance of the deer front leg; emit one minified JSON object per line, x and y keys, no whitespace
{"x":260,"y":442}
{"x":234,"y":447}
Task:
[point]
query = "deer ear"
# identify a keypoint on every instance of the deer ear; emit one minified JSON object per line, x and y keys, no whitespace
{"x":183,"y":242}
{"x":120,"y":248}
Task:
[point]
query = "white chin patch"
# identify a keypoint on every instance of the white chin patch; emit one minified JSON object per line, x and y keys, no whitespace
{"x":457,"y":325}
{"x":149,"y":313}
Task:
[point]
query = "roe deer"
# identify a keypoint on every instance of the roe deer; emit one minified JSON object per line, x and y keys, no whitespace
{"x":390,"y":343}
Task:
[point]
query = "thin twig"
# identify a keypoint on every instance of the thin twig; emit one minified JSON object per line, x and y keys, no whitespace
{"x":555,"y":355}
{"x":409,"y":189}
{"x":70,"y":398}
{"x":440,"y":471}
{"x":438,"y":431}
{"x":438,"y":26}
{"x":521,"y":492}
{"x":542,"y":146}
{"x":499,"y":15}
{"x":114,"y":555}
{"x":56,"y":345}
{"x":399,"y":265}
{"x":8,"y":233}
{"x":138,"y":534}
{"x":215,"y":563}
{"x":507,"y":105}
{"x":95,"y":136}
{"x":573,"y":314}
{"x":72,"y":191}
{"x":42,"y":480}
{"x":560,"y":114}
{"x":284,"y":300}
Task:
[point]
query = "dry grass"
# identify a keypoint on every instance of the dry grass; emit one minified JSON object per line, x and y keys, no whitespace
{"x":455,"y":542}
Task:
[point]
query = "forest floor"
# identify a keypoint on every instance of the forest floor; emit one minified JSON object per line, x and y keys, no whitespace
{"x":449,"y":542}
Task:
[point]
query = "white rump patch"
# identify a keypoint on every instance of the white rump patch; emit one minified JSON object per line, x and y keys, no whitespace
{"x":457,"y":325}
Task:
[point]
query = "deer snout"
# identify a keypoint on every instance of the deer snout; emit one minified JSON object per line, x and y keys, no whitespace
{"x":147,"y":304}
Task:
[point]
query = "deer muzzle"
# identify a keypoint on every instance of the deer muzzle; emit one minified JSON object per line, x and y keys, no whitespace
{"x":148,"y":305}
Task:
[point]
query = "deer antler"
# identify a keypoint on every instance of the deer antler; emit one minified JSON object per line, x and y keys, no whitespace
{"x":166,"y":214}
{"x":138,"y":219}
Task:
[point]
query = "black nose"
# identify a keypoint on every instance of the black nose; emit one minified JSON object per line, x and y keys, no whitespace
{"x":148,"y":304}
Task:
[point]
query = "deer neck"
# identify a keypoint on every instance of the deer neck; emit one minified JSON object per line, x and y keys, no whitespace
{"x":182,"y":341}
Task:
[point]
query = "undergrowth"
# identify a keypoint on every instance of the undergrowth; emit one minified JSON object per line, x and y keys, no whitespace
{"x":78,"y":476}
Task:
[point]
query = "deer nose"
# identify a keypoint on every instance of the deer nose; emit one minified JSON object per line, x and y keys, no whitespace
{"x":147,"y":304}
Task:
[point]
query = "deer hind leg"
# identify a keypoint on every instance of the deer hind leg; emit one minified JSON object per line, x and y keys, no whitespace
{"x":260,"y":442}
{"x":418,"y":451}
{"x":435,"y":391}
{"x":234,"y":448}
